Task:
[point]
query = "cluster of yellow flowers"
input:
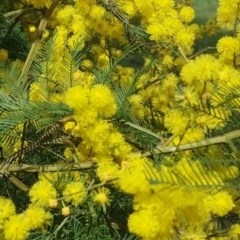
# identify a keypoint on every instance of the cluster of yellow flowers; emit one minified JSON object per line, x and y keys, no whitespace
{"x":44,"y":197}
{"x":172,"y":100}
{"x":101,"y":142}
{"x":18,"y":226}
{"x":155,"y":205}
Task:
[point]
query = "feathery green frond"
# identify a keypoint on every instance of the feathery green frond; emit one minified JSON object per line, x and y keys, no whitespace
{"x":16,"y":111}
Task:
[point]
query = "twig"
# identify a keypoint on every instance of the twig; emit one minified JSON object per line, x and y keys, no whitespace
{"x":209,"y":141}
{"x":148,"y":84}
{"x":95,"y":186}
{"x":16,"y":13}
{"x":183,"y":54}
{"x":142,"y":129}
{"x":90,"y":187}
{"x":22,"y":142}
{"x":41,"y":28}
{"x":51,"y":167}
{"x":18,"y":183}
{"x":43,"y":168}
{"x":201,"y":51}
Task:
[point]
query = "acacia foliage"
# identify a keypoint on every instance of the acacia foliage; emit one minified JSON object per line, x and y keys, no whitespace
{"x":113,"y":116}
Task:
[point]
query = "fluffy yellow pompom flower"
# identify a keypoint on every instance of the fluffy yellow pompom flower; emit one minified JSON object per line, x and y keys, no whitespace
{"x":209,"y":121}
{"x":185,"y":38}
{"x":129,"y":8}
{"x":7,"y":209}
{"x":220,"y":203}
{"x":102,"y":98}
{"x":164,"y":4}
{"x":234,"y":232}
{"x":41,"y":192}
{"x":144,"y":223}
{"x":3,"y":55}
{"x":188,"y":96}
{"x":131,"y":177}
{"x":98,"y":132}
{"x":72,"y":20}
{"x":155,"y":32}
{"x":16,"y":228}
{"x":65,"y":16}
{"x":75,"y":192}
{"x":37,"y":217}
{"x":186,"y":14}
{"x":107,"y":171}
{"x":228,"y":46}
{"x":117,"y":145}
{"x":176,"y":122}
{"x":84,"y":117}
{"x":203,"y":68}
{"x":229,"y":75}
{"x":168,"y":60}
{"x":101,"y":196}
{"x":226,"y":14}
{"x":97,"y":12}
{"x":77,"y":97}
{"x":188,"y":72}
